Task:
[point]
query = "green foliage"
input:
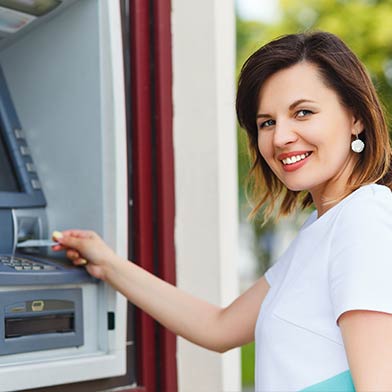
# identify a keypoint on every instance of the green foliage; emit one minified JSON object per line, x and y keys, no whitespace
{"x":247,"y":364}
{"x":365,"y":25}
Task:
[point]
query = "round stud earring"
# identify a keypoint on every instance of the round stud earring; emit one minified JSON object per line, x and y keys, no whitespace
{"x":357,"y":145}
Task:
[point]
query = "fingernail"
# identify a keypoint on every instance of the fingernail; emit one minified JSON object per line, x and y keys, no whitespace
{"x":82,"y":261}
{"x":57,"y":235}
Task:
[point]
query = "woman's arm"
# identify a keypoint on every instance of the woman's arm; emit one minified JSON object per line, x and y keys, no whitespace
{"x":367,"y":337}
{"x":207,"y":325}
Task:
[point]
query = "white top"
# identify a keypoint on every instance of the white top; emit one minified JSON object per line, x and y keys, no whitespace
{"x":341,"y":261}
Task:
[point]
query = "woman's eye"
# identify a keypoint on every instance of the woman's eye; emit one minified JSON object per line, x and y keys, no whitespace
{"x":303,"y":112}
{"x":267,"y":123}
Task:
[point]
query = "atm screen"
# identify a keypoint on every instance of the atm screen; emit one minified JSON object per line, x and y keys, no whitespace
{"x":8,"y":181}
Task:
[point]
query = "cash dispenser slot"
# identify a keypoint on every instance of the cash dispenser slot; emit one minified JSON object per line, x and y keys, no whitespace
{"x":36,"y":320}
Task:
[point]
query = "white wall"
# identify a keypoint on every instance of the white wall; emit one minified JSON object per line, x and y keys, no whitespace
{"x":206,"y":176}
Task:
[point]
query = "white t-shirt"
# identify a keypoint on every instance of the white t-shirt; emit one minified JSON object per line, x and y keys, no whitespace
{"x":341,"y":261}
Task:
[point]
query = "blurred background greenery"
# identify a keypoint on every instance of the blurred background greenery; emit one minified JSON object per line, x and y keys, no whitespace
{"x":365,"y":25}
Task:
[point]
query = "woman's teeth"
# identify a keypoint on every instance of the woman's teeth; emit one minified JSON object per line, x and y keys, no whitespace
{"x":295,"y":158}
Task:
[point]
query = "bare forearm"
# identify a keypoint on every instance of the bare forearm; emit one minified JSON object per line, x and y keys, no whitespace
{"x":207,"y":325}
{"x":192,"y":318}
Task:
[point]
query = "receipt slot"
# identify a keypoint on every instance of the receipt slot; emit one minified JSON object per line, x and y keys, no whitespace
{"x":38,"y":320}
{"x":62,"y":165}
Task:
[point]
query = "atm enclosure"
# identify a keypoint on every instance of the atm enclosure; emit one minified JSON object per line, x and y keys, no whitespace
{"x":62,"y":165}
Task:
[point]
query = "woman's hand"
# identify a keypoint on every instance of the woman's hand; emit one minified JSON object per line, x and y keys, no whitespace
{"x":86,"y":248}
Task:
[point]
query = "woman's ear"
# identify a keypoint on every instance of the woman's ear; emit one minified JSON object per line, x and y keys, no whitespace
{"x":357,"y":126}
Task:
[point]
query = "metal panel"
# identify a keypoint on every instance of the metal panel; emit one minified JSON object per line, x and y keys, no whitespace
{"x":42,"y":341}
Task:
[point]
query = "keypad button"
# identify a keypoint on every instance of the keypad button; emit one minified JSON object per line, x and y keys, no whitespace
{"x":30,"y":167}
{"x":24,"y":150}
{"x":35,"y":184}
{"x":48,"y":268}
{"x":18,"y":133}
{"x":22,"y":264}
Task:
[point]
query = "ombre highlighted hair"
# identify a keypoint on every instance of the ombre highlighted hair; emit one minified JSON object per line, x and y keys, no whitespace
{"x":341,"y":71}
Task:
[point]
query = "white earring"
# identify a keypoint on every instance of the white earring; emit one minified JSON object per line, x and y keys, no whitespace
{"x":357,"y":145}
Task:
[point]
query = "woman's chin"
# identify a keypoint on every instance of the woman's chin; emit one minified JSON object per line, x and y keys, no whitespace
{"x":295,"y":187}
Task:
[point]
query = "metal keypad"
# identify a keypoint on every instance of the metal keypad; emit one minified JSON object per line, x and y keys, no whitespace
{"x":22,"y":264}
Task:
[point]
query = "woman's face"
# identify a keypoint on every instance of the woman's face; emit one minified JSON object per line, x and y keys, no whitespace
{"x":305,"y":133}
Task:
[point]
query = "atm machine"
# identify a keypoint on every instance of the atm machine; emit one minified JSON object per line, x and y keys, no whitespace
{"x":62,"y":165}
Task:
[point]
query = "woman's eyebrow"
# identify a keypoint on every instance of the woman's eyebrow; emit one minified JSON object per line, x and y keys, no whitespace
{"x":263,"y":115}
{"x":291,"y":107}
{"x":299,"y":102}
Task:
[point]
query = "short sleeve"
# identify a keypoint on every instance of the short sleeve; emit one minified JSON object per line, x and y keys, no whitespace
{"x":360,"y":263}
{"x":278,"y":270}
{"x":272,"y":274}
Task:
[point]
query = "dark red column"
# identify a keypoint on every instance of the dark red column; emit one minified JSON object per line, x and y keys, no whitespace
{"x":153,"y":178}
{"x":165,"y":173}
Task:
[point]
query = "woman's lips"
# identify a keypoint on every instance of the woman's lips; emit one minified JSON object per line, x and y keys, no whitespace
{"x":294,"y":160}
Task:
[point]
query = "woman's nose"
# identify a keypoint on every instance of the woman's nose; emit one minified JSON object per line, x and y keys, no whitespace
{"x":285,"y":133}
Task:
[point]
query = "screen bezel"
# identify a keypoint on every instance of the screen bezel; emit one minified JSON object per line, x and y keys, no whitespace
{"x":9,"y":181}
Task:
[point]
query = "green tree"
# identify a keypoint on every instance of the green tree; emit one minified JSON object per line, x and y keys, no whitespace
{"x":365,"y":25}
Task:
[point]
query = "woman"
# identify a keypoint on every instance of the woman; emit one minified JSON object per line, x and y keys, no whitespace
{"x":321,"y":316}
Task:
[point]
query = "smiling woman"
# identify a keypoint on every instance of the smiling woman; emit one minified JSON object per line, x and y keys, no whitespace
{"x":300,"y":133}
{"x":318,"y":136}
{"x":326,"y":99}
{"x":304,"y":100}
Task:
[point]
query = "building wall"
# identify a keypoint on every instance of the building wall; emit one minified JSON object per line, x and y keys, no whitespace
{"x":206,"y":176}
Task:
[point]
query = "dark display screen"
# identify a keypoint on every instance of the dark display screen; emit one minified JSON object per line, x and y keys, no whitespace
{"x":8,"y":181}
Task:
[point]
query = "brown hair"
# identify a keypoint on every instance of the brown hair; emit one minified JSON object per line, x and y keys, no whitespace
{"x":342,"y":71}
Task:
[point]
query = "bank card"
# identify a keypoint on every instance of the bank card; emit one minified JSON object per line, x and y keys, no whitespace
{"x":36,"y":243}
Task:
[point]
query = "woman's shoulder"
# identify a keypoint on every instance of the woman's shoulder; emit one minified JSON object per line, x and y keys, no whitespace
{"x":359,"y":261}
{"x":373,"y":191}
{"x":368,"y":202}
{"x":366,"y":213}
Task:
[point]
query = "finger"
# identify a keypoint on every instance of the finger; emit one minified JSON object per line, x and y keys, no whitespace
{"x":57,"y":248}
{"x":73,"y":254}
{"x":78,"y":233}
{"x":80,"y":261}
{"x":56,"y":235}
{"x":68,"y":241}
